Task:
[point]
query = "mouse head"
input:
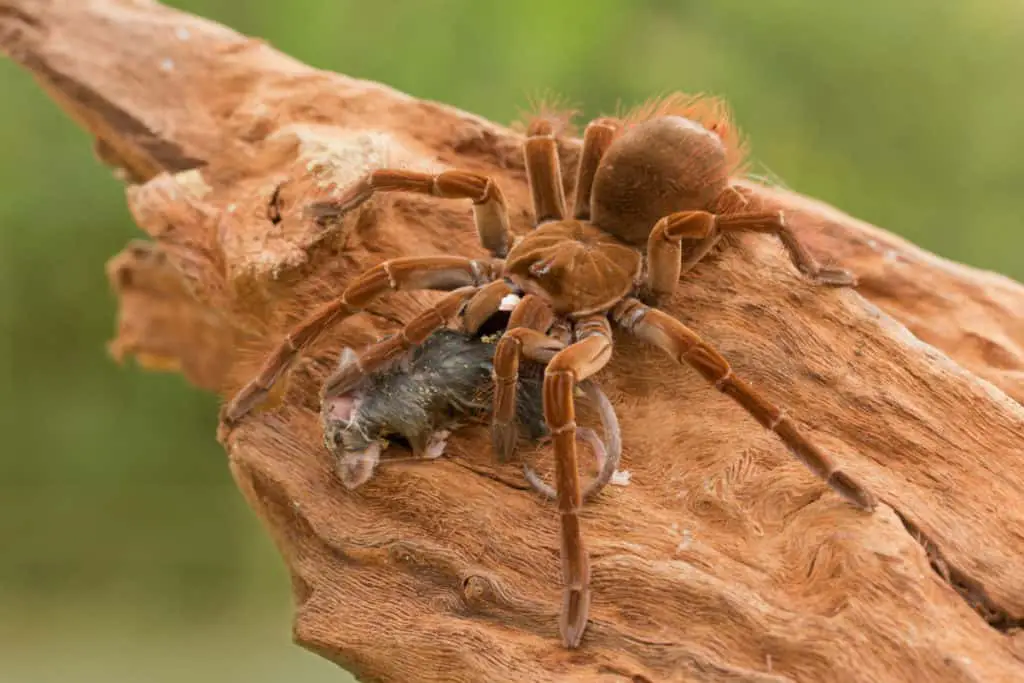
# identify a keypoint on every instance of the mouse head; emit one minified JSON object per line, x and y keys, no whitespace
{"x":355,"y":445}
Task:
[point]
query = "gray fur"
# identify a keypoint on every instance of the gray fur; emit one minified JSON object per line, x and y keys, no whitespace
{"x":444,"y":382}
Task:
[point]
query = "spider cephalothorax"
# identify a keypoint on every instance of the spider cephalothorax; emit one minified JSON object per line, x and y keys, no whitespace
{"x":576,"y":267}
{"x":644,"y":184}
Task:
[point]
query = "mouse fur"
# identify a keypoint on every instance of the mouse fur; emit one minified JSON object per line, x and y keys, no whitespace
{"x":424,"y":396}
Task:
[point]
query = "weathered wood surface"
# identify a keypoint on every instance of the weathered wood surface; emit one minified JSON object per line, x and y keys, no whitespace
{"x":723,"y":560}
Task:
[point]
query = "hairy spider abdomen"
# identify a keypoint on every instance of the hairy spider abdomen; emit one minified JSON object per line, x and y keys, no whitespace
{"x":656,"y":168}
{"x":574,"y":266}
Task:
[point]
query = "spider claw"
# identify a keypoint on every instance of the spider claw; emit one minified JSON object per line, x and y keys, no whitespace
{"x":848,"y":488}
{"x":240,"y":406}
{"x":254,"y":399}
{"x":503,"y":440}
{"x":572,"y":622}
{"x":835,"y":277}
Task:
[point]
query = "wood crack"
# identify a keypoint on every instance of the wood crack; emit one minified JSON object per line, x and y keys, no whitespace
{"x":970,"y":589}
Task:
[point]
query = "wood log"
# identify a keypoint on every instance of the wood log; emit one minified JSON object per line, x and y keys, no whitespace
{"x":723,"y":560}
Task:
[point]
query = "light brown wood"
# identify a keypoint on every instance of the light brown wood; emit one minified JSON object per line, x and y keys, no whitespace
{"x":723,"y":559}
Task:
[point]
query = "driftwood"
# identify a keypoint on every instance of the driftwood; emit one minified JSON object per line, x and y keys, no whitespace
{"x":723,"y":559}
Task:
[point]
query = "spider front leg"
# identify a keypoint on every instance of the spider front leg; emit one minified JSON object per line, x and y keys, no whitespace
{"x":686,"y":346}
{"x":379,"y":355}
{"x":573,"y":364}
{"x":525,"y":336}
{"x":664,"y":246}
{"x":490,"y":211}
{"x":730,"y":198}
{"x":444,"y":273}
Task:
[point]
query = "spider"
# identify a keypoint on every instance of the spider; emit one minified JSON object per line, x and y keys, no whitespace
{"x":644,"y":183}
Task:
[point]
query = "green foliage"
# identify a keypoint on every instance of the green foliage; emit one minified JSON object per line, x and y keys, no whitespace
{"x":113,"y":493}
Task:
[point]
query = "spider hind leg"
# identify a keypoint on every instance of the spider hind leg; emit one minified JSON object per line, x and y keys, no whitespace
{"x":686,"y":346}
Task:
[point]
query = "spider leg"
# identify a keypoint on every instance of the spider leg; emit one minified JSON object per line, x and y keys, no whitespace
{"x":608,"y":457}
{"x":774,"y":222}
{"x":444,"y":273}
{"x":526,"y":336}
{"x":485,"y":303}
{"x":732,"y":199}
{"x":702,"y":249}
{"x":490,"y":210}
{"x":377,"y":356}
{"x":575,"y":363}
{"x":543,"y":172}
{"x":664,"y":248}
{"x":686,"y":346}
{"x":597,"y":137}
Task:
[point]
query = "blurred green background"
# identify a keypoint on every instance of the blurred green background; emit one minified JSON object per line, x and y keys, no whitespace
{"x":126,"y":553}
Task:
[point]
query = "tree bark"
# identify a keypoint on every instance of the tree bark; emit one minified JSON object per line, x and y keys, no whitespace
{"x":724,"y":559}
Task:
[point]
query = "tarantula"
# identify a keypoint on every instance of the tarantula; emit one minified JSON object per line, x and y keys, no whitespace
{"x":644,"y":183}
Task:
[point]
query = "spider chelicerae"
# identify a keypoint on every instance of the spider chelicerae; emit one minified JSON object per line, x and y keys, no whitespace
{"x":644,"y":184}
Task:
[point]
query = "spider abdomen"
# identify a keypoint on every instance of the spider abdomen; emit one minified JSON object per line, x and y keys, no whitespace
{"x":656,"y":168}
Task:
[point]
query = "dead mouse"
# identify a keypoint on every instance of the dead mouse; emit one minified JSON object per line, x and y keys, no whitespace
{"x":444,"y":383}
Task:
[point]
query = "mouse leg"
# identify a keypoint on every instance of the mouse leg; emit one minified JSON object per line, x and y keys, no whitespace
{"x":425,"y":445}
{"x":355,"y":469}
{"x":436,"y":443}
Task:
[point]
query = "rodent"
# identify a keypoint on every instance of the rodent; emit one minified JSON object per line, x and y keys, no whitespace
{"x":442,"y":384}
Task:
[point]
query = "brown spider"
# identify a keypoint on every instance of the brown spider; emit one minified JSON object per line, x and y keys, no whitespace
{"x":643,"y":184}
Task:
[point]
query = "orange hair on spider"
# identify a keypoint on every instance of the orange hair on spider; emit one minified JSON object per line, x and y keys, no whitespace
{"x":550,"y":111}
{"x":710,"y":112}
